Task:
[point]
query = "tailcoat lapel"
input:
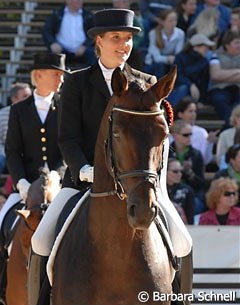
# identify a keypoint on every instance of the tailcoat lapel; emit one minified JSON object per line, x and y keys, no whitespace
{"x":97,"y":81}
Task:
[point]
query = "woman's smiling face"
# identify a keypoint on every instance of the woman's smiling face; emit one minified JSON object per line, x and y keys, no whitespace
{"x":115,"y":48}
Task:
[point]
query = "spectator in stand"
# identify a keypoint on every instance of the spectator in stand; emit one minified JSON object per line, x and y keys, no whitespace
{"x":235,"y":20}
{"x":191,"y":160}
{"x":150,"y":10}
{"x":18,"y":92}
{"x":65,"y":32}
{"x":135,"y":59}
{"x":165,"y":41}
{"x":206,"y":23}
{"x":225,"y":76}
{"x":181,"y":195}
{"x":186,"y":10}
{"x":224,"y":13}
{"x":193,"y":70}
{"x":201,"y":140}
{"x":221,"y":200}
{"x":228,"y":137}
{"x":233,"y":165}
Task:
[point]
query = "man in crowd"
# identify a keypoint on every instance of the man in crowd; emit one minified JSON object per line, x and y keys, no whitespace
{"x":18,"y":92}
{"x":65,"y":32}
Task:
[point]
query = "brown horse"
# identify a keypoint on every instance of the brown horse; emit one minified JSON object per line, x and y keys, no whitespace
{"x":41,"y":192}
{"x":112,"y":249}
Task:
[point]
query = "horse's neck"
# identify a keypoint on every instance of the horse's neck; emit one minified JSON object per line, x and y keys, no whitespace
{"x":103,"y":181}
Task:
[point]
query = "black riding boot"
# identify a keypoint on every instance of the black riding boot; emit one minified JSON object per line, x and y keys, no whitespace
{"x":39,"y":288}
{"x":182,"y":282}
{"x":3,"y":275}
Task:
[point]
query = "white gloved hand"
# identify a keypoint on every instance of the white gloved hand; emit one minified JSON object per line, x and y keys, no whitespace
{"x":86,"y":173}
{"x":23,"y":186}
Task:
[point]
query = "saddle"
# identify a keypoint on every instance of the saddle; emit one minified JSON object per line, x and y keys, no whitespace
{"x":9,"y":225}
{"x":7,"y":232}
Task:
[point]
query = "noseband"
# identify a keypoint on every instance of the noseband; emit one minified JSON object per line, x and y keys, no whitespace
{"x":148,"y":175}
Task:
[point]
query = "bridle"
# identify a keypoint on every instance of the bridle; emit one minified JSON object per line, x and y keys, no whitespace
{"x":148,"y":175}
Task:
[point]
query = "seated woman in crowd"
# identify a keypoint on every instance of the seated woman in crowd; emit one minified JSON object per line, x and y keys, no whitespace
{"x":223,"y":11}
{"x":181,"y":195}
{"x":228,"y":137}
{"x":185,"y":11}
{"x":233,"y":164}
{"x":201,"y":140}
{"x":235,"y":20}
{"x":193,"y":70}
{"x":165,"y":41}
{"x":225,"y":76}
{"x":221,"y":200}
{"x":206,"y":23}
{"x":191,"y":161}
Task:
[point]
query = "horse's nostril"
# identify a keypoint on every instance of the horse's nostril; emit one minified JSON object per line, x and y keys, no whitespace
{"x":132,"y":210}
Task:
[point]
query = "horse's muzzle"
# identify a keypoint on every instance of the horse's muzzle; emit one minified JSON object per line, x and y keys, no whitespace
{"x":141,"y":210}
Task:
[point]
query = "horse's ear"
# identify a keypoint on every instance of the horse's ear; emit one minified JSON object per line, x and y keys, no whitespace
{"x":165,"y":84}
{"x":119,"y":82}
{"x":23,"y":213}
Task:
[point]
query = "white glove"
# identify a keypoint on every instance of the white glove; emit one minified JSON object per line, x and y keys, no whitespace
{"x":23,"y":186}
{"x":86,"y":173}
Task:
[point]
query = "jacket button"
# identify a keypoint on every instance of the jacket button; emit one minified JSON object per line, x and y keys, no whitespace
{"x":44,"y":158}
{"x":42,"y":130}
{"x":44,"y":148}
{"x":43,"y":139}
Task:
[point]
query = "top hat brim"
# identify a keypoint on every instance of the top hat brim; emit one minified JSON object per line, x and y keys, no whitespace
{"x":93,"y":32}
{"x":46,"y":67}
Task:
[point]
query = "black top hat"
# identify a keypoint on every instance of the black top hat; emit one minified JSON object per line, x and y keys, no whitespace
{"x":113,"y":20}
{"x":49,"y":61}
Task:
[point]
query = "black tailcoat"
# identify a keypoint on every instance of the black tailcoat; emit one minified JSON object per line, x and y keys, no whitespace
{"x":84,"y":97}
{"x":30,"y":143}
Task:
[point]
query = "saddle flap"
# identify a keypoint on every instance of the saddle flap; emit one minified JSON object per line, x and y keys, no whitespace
{"x":9,"y":224}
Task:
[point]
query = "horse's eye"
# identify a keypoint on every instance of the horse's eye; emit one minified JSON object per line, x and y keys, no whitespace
{"x":116,"y":134}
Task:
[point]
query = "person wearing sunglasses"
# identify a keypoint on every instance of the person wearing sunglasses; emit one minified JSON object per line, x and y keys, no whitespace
{"x":191,"y":161}
{"x":201,"y":139}
{"x":221,"y":200}
{"x":180,"y":194}
{"x":233,"y":164}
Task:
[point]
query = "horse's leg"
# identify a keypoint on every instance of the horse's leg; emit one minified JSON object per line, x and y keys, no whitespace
{"x":16,"y":292}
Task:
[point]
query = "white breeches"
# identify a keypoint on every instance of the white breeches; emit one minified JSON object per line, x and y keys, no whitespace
{"x":43,"y":238}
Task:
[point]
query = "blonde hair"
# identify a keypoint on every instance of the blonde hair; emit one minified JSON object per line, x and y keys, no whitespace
{"x":33,"y":78}
{"x":206,"y":23}
{"x":234,"y":114}
{"x":217,"y":189}
{"x":178,"y":125}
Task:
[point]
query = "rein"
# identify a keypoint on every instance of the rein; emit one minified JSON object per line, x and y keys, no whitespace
{"x":148,"y":174}
{"x":43,"y":207}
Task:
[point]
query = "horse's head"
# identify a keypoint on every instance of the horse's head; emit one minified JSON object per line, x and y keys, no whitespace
{"x":134,"y":145}
{"x":44,"y":189}
{"x":31,"y":218}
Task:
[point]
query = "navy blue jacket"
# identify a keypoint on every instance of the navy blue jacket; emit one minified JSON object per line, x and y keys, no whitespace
{"x":192,"y":68}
